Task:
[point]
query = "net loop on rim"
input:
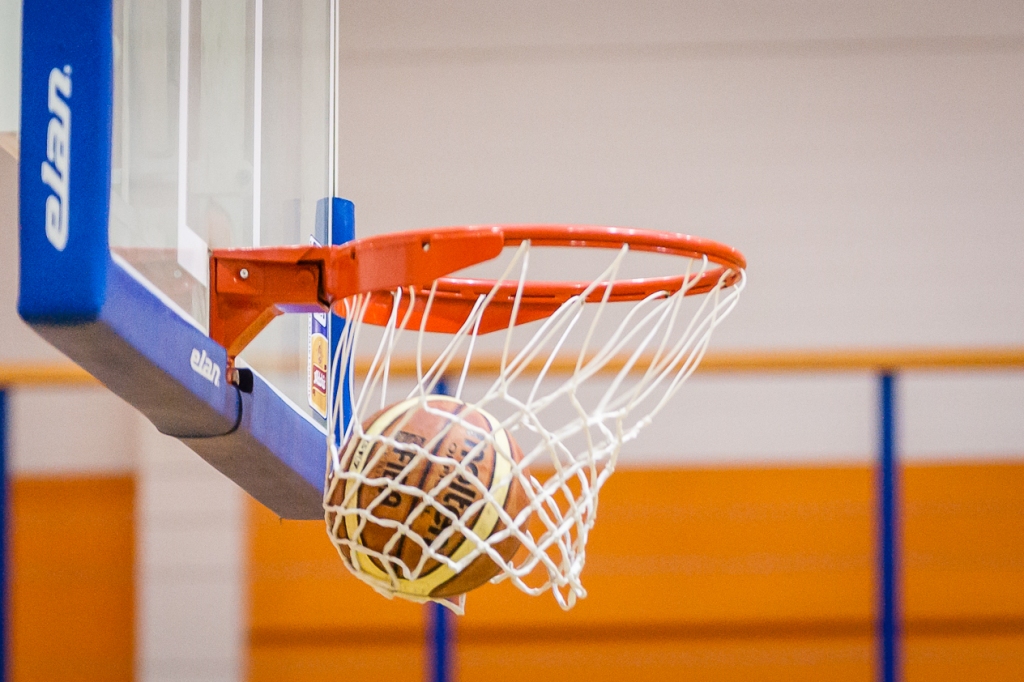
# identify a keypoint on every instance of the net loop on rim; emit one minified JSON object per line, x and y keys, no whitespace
{"x":579,"y":370}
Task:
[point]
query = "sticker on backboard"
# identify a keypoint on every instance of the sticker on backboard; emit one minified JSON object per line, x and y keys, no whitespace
{"x":316,"y":363}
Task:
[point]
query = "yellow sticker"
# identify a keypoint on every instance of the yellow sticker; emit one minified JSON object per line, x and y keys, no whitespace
{"x":317,"y":374}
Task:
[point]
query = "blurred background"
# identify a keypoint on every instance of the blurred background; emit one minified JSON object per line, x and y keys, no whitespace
{"x":868,"y":159}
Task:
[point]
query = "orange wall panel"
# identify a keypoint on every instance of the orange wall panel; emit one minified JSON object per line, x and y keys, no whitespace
{"x":297,"y":580}
{"x":957,"y":658}
{"x":714,"y":545}
{"x":716,"y":660}
{"x":310,"y":619}
{"x":331,"y":661}
{"x":718,"y":574}
{"x":73,"y":582}
{"x":841,"y":658}
{"x":963,"y":542}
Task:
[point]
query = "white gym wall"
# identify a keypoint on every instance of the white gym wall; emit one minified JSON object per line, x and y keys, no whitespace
{"x":10,"y":64}
{"x":868,"y":159}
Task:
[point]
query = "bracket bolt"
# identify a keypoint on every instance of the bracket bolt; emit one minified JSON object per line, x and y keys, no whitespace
{"x":244,"y":273}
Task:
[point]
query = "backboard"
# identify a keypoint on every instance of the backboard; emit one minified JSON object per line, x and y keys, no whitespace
{"x":151,"y":133}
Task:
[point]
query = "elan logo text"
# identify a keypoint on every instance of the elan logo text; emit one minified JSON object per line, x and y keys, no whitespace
{"x":56,"y":168}
{"x":204,"y":366}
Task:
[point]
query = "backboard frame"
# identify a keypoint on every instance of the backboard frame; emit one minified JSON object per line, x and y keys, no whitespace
{"x":95,"y":308}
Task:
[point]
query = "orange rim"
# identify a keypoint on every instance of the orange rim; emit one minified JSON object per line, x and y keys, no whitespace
{"x":249,"y":287}
{"x":454,"y":297}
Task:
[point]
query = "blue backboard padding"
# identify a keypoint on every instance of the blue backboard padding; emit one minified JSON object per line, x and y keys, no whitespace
{"x":302,"y":446}
{"x":275,"y":455}
{"x":166,"y":342}
{"x":342,"y":228}
{"x":142,"y":351}
{"x":65,"y":282}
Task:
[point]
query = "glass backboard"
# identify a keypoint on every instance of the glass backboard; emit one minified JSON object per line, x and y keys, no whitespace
{"x":222,"y":131}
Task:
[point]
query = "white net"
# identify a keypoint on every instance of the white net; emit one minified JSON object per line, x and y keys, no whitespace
{"x":427,"y":497}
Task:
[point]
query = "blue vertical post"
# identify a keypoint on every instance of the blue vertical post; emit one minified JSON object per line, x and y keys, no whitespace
{"x":336,"y":225}
{"x":343,"y":230}
{"x":889,"y":625}
{"x":439,"y":641}
{"x":440,"y":625}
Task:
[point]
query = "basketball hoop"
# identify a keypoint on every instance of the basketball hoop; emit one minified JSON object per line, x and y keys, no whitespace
{"x":579,"y":369}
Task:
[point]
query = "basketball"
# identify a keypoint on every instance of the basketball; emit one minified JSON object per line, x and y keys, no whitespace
{"x":394,"y":448}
